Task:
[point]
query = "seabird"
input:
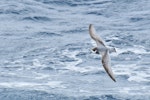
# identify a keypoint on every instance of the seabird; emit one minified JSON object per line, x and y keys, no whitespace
{"x":103,"y":50}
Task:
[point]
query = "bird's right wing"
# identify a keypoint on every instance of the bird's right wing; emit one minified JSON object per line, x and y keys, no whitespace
{"x":95,"y":37}
{"x":107,"y":65}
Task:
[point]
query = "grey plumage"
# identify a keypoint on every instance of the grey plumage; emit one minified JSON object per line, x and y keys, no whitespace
{"x":103,"y":50}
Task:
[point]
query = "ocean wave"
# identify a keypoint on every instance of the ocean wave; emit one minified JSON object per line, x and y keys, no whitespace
{"x":130,"y":72}
{"x":45,"y":49}
{"x":14,"y":94}
{"x":37,"y":18}
{"x":48,"y":34}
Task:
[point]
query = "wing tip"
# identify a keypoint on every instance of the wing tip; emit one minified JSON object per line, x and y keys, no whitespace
{"x":90,"y":26}
{"x":114,"y":80}
{"x":112,"y":77}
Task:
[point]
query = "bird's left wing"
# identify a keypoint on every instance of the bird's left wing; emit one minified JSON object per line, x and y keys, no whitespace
{"x":107,"y":65}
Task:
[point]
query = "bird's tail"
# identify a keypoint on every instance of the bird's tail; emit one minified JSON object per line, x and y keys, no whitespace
{"x":112,"y":50}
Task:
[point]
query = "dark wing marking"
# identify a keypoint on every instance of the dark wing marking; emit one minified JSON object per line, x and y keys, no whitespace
{"x":106,"y":64}
{"x":95,"y":37}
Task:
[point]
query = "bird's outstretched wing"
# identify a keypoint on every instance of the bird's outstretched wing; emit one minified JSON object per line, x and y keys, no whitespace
{"x":107,"y":65}
{"x":105,"y":53}
{"x":95,"y":37}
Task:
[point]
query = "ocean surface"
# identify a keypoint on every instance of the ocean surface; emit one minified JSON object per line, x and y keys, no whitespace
{"x":45,"y":49}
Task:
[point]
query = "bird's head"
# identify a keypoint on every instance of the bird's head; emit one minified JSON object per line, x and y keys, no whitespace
{"x":95,"y":50}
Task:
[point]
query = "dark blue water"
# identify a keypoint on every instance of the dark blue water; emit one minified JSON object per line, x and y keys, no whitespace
{"x":45,"y":49}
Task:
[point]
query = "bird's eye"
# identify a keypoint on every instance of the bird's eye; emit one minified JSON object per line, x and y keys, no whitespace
{"x":94,"y":50}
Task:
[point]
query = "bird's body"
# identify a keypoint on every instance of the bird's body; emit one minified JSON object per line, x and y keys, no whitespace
{"x":103,"y":50}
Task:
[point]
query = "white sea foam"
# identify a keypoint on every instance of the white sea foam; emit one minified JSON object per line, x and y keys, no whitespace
{"x":51,"y":84}
{"x":133,"y":71}
{"x":138,"y":78}
{"x":135,"y":49}
{"x":37,"y":63}
{"x":55,"y":84}
{"x":138,"y":90}
{"x":83,"y":69}
{"x":17,"y":84}
{"x":40,"y":76}
{"x":72,"y":66}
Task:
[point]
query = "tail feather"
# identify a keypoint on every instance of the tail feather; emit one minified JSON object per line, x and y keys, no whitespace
{"x":112,"y":50}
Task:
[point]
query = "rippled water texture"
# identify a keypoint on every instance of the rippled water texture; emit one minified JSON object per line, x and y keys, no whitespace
{"x":45,"y":49}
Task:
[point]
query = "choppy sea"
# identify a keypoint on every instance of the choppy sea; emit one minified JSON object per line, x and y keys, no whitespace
{"x":45,"y":49}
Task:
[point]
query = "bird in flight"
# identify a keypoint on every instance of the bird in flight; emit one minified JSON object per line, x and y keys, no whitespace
{"x":103,"y":50}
